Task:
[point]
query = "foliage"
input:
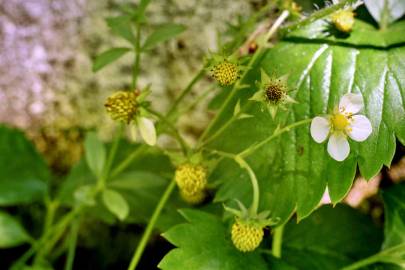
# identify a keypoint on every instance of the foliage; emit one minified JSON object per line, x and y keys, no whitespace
{"x":264,"y":167}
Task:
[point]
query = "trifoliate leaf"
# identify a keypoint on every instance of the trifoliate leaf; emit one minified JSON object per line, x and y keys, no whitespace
{"x":205,"y":243}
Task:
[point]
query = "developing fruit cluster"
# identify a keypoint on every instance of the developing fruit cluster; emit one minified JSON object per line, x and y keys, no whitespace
{"x":192,"y":181}
{"x":225,"y":73}
{"x":122,"y":106}
{"x":246,"y":237}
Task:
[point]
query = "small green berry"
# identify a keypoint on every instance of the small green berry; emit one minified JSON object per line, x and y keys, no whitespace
{"x":191,"y":178}
{"x":246,"y":237}
{"x":225,"y":73}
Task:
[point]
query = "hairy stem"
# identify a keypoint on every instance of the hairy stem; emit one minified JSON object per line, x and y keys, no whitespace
{"x":137,"y":60}
{"x":149,"y":228}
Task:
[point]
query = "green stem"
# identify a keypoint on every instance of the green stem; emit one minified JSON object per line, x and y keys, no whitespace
{"x":111,"y":156}
{"x":277,"y":241}
{"x":51,"y":207}
{"x":388,"y":255}
{"x":185,"y":92}
{"x":127,"y":161}
{"x":255,"y":185}
{"x":137,"y":48}
{"x":276,"y":133}
{"x":148,"y":231}
{"x":43,"y":241}
{"x":196,"y":101}
{"x":317,"y":15}
{"x":72,"y":244}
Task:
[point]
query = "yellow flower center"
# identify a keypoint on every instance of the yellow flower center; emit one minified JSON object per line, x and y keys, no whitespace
{"x":340,"y":122}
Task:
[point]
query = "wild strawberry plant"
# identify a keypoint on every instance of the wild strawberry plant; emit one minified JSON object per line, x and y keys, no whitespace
{"x":310,"y":100}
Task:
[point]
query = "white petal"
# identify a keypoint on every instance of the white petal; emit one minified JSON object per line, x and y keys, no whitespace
{"x":320,"y":129}
{"x":351,"y":103}
{"x":147,"y":129}
{"x":338,"y":147}
{"x":360,"y":128}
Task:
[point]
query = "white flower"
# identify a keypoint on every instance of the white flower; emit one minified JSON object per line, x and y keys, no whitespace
{"x":342,"y":123}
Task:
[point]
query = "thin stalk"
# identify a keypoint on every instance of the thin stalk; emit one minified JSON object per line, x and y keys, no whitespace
{"x":111,"y":156}
{"x":196,"y":101}
{"x":127,"y":161}
{"x":277,"y":241}
{"x":277,"y":133}
{"x":61,"y":225}
{"x":148,"y":231}
{"x":137,"y":60}
{"x":185,"y":92}
{"x":72,"y":244}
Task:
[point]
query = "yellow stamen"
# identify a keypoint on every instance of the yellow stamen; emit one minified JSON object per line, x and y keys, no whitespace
{"x":340,"y":122}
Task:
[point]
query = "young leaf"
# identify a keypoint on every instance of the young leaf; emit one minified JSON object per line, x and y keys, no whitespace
{"x":162,"y":34}
{"x":389,"y":10}
{"x":23,"y":172}
{"x":116,"y":203}
{"x":121,"y":26}
{"x":95,"y":153}
{"x":205,"y":243}
{"x":108,"y":57}
{"x":11,"y":232}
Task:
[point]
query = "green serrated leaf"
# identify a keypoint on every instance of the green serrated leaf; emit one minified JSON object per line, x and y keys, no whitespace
{"x":11,"y":232}
{"x":23,"y":172}
{"x":293,"y":170}
{"x":108,"y":57}
{"x":116,"y":203}
{"x":95,"y":153}
{"x":162,"y":34}
{"x":330,"y":239}
{"x":205,"y":243}
{"x":121,"y":26}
